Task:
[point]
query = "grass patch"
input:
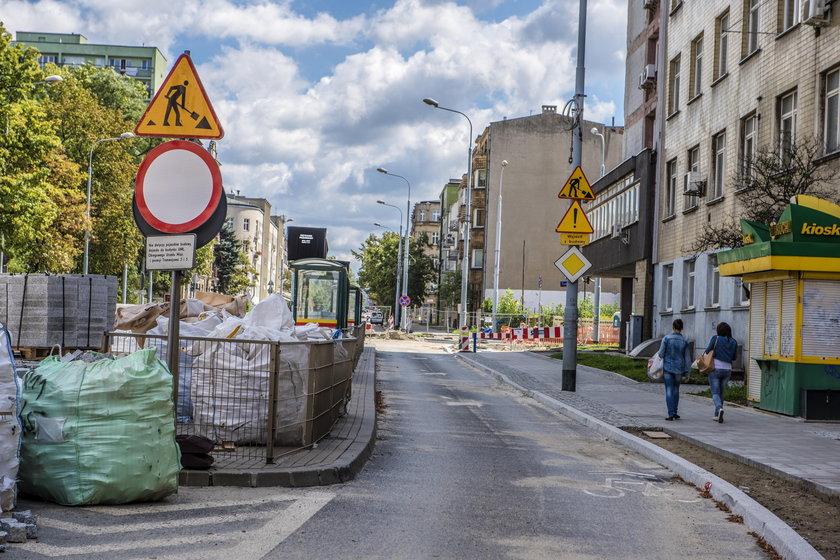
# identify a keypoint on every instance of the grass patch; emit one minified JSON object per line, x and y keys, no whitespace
{"x":736,"y":394}
{"x":628,"y":367}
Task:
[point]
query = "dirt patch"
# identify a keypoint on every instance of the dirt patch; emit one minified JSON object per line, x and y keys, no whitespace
{"x":809,"y":514}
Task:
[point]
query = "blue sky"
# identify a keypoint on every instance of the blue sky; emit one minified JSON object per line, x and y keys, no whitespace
{"x":314,"y":95}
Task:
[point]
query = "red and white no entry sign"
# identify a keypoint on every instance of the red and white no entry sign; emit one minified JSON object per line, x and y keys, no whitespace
{"x":178,"y":187}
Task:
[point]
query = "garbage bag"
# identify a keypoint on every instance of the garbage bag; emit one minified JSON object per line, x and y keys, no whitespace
{"x":99,"y":433}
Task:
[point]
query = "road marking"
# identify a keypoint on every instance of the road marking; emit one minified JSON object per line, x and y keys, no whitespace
{"x":255,"y":544}
{"x":439,"y":373}
{"x":465,"y":403}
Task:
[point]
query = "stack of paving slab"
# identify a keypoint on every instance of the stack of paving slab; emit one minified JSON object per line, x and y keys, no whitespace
{"x":72,"y":310}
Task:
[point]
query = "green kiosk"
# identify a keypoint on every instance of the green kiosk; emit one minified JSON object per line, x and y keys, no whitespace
{"x":793,"y":270}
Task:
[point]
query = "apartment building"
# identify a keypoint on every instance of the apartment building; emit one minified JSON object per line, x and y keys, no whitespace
{"x":425,"y":220}
{"x":536,"y":150}
{"x":738,"y":77}
{"x":264,"y":236}
{"x":144,"y":64}
{"x":624,"y":211}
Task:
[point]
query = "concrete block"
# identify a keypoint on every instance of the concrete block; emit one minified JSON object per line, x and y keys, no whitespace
{"x":16,"y":531}
{"x":233,"y":478}
{"x":25,"y":516}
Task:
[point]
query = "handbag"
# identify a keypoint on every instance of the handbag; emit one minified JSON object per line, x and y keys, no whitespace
{"x":706,"y":362}
{"x":654,"y":368}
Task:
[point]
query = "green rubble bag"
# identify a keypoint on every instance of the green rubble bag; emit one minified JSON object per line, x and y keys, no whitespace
{"x":100,"y":432}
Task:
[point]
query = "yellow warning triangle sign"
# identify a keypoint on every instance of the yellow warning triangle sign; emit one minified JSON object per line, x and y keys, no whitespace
{"x":575,"y":221}
{"x":180,"y":108}
{"x":577,"y":186}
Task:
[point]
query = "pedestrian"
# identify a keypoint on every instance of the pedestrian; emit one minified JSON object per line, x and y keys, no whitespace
{"x":725,"y":348}
{"x":676,"y":362}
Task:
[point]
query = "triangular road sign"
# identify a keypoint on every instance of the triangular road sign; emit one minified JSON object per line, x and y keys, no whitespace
{"x":180,"y":108}
{"x":577,"y":186}
{"x":575,"y":221}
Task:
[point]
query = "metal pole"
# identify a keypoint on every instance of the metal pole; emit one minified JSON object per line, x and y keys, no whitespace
{"x":125,"y":284}
{"x":397,"y":309}
{"x":173,"y":348}
{"x":596,"y":303}
{"x":570,"y":313}
{"x":403,"y":321}
{"x":498,"y":245}
{"x":151,"y":281}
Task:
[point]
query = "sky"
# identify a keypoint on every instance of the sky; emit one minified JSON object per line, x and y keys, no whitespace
{"x":315,"y":95}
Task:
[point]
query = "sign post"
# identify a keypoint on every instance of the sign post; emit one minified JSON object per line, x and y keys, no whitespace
{"x":179,"y":202}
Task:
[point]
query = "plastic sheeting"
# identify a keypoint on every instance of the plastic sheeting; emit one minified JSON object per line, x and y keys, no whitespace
{"x":99,"y":433}
{"x":9,"y":424}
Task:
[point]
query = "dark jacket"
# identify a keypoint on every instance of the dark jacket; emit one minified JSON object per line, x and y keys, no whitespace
{"x":726,"y":348}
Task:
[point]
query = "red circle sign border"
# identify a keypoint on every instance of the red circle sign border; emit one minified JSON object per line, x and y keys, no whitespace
{"x":214,"y":198}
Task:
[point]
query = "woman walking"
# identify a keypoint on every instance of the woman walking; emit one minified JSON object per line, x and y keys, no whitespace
{"x":676,"y":361}
{"x":724,"y":347}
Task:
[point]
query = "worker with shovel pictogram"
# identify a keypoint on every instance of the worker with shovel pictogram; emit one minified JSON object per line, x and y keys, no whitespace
{"x":175,"y":102}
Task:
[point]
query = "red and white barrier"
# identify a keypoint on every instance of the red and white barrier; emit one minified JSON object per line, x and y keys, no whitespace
{"x":464,"y":344}
{"x":535,"y":333}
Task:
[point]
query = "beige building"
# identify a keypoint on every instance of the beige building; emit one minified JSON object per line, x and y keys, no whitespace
{"x":536,"y":149}
{"x":737,"y":77}
{"x":253,"y":223}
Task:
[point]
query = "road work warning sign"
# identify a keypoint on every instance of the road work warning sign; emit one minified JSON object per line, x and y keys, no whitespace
{"x":180,"y":108}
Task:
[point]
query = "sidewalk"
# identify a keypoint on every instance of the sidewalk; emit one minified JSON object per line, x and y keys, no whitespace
{"x":337,"y":458}
{"x":790,"y":448}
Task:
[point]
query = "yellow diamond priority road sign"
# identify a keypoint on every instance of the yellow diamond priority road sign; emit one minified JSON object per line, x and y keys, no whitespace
{"x":180,"y":108}
{"x":573,"y":264}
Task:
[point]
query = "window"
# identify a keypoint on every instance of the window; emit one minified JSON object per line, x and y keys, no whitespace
{"x":246,"y":224}
{"x":832,"y":111}
{"x":144,"y":64}
{"x":46,"y":59}
{"x":742,"y":292}
{"x":435,"y":238}
{"x":481,"y":179}
{"x":671,"y":191}
{"x":721,"y":44}
{"x":436,"y":215}
{"x":714,"y":282}
{"x":696,"y":67}
{"x":718,"y":164}
{"x":749,"y":135}
{"x":668,"y":286}
{"x":422,"y":217}
{"x":751,"y":27}
{"x":258,"y":230}
{"x":674,"y":86}
{"x":478,"y":218}
{"x":693,"y":165}
{"x":478,"y":258}
{"x":688,"y":295}
{"x":790,"y":14}
{"x":787,"y":123}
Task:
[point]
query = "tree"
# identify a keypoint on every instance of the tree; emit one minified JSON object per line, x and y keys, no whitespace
{"x":450,"y":289}
{"x":233,"y":268}
{"x":378,"y":273}
{"x":765,"y":185}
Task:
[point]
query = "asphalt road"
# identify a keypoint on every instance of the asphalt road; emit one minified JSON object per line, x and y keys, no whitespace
{"x":462,"y":469}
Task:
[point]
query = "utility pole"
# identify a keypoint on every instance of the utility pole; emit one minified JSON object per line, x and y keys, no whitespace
{"x":570,"y":313}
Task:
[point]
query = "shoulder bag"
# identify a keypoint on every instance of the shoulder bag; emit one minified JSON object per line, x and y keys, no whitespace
{"x":706,"y":362}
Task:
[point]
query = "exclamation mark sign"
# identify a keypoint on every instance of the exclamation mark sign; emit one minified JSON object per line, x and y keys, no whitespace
{"x":574,"y":217}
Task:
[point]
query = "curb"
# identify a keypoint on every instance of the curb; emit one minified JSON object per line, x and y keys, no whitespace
{"x":757,"y":518}
{"x":321,"y":475}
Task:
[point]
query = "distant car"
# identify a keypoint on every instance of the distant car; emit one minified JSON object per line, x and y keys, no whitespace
{"x":376,"y":317}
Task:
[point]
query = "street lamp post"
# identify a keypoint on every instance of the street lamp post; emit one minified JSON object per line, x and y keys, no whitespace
{"x":596,"y":304}
{"x":403,"y":322}
{"x":397,"y":311}
{"x":465,"y":260}
{"x":122,"y":136}
{"x":498,"y":244}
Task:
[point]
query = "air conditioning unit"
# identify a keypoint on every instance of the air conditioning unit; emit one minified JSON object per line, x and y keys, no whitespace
{"x":649,"y":5}
{"x":814,"y":12}
{"x":647,"y":78}
{"x":694,"y":183}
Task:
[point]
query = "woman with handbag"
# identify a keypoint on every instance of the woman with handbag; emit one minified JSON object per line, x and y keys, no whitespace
{"x":676,"y":362}
{"x":723,"y":348}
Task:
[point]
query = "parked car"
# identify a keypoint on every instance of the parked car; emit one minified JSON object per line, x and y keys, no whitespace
{"x":376,"y":317}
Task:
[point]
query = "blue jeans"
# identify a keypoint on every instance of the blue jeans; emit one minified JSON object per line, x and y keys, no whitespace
{"x":717,"y":382}
{"x":672,"y":391}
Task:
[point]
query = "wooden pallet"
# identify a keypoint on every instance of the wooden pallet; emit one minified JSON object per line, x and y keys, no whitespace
{"x":34,"y":353}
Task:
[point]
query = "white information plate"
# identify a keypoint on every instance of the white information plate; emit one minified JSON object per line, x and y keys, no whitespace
{"x":170,"y":252}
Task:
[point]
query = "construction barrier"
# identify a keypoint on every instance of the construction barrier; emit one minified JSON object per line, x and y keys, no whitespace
{"x":464,"y":345}
{"x":550,"y":335}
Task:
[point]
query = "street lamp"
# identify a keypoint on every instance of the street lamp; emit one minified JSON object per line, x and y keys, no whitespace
{"x":397,"y":314}
{"x":49,"y":80}
{"x":596,"y":304}
{"x":498,"y":244}
{"x":122,"y":136}
{"x":468,"y":197}
{"x":403,"y":322}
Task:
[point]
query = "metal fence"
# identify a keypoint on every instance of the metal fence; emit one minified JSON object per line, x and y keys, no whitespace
{"x":257,"y":400}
